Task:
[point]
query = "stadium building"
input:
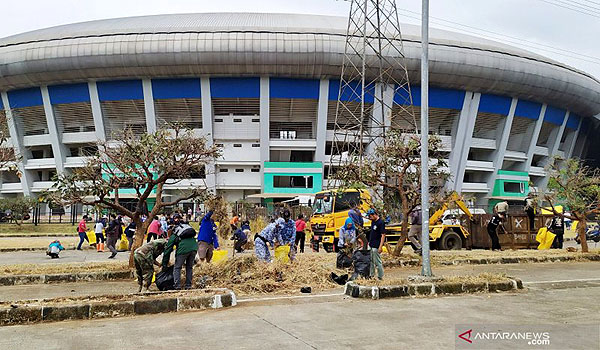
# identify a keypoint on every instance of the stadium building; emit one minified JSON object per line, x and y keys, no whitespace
{"x":264,"y":87}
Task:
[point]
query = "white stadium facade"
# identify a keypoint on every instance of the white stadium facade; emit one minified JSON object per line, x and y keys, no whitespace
{"x":264,"y":87}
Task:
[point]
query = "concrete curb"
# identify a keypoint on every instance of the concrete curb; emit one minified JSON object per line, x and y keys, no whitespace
{"x":39,"y":249}
{"x":90,"y":309}
{"x":499,"y":260}
{"x":65,"y":277}
{"x":429,"y":289}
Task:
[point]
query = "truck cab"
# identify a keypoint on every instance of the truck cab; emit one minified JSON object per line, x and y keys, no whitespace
{"x":330,"y":211}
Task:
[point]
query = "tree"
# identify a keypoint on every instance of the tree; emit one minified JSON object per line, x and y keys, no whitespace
{"x":576,"y":186}
{"x":18,"y":207}
{"x":144,"y":163}
{"x":393,"y":171}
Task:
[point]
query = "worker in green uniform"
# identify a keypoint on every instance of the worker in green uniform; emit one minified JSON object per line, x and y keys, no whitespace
{"x":145,"y":259}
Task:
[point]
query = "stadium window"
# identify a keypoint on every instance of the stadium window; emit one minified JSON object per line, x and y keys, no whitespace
{"x":237,"y":145}
{"x":514,"y":187}
{"x":236,"y":120}
{"x":255,"y":145}
{"x":255,"y":170}
{"x":239,"y":170}
{"x":220,"y":145}
{"x":219,"y":120}
{"x":223,"y":170}
{"x":255,"y":120}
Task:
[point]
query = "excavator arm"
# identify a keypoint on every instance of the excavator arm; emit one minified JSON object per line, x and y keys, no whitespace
{"x":454,"y":198}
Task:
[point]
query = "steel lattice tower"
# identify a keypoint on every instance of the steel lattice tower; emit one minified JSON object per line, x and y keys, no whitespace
{"x":373,"y":81}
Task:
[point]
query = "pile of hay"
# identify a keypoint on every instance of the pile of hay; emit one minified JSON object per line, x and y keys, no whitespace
{"x":246,"y":275}
{"x":39,"y":269}
{"x":221,"y":212}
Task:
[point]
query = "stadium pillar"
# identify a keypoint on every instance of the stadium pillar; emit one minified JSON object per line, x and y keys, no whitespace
{"x":96,"y":111}
{"x":264,"y":128}
{"x":468,"y":116}
{"x":498,"y":154}
{"x":16,"y":139}
{"x":571,"y":148}
{"x":534,"y":138}
{"x":207,"y":127}
{"x":426,"y":268}
{"x":149,"y":106}
{"x":58,"y":148}
{"x":460,"y":150}
{"x":554,"y":143}
{"x":322,"y":121}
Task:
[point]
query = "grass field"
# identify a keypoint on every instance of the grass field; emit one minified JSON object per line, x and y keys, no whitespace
{"x":30,"y":229}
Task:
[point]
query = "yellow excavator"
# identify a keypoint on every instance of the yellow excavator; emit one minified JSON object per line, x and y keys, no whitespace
{"x":331,"y":210}
{"x":442,"y":236}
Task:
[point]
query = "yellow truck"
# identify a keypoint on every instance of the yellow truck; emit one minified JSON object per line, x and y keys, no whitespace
{"x":330,"y":211}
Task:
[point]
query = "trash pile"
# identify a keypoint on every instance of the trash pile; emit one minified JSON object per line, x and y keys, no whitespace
{"x":247,"y":275}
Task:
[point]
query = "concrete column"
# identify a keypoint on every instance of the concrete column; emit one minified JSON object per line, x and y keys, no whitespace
{"x":554,"y":142}
{"x":96,"y":111}
{"x":498,"y":154}
{"x":59,"y":150}
{"x":207,"y":127}
{"x":464,"y":137}
{"x":264,"y":127}
{"x":322,"y":121}
{"x":149,"y":106}
{"x":556,"y":136}
{"x":569,"y":152}
{"x":463,"y":130}
{"x":526,"y":166}
{"x":17,"y":141}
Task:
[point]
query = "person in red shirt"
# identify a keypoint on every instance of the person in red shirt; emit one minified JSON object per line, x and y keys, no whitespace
{"x":300,"y":234}
{"x":154,"y":230}
{"x":81,"y":230}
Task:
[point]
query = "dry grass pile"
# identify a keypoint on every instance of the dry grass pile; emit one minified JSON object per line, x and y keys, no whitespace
{"x":480,"y":278}
{"x":247,"y":275}
{"x":109,"y":298}
{"x":38,"y":269}
{"x":221,"y":212}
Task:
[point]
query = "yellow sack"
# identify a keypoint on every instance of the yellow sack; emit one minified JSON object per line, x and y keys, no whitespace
{"x":153,"y":277}
{"x":219,"y":256}
{"x":124,"y":243}
{"x":282,"y":253}
{"x":91,"y":237}
{"x":545,"y":238}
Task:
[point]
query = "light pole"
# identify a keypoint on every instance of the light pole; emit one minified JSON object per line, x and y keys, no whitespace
{"x":426,"y":270}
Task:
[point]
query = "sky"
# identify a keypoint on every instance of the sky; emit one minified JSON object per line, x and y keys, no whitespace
{"x":565,"y":35}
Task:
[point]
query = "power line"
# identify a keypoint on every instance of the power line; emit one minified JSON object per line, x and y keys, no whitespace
{"x":593,"y":14}
{"x":513,"y":40}
{"x":578,"y":5}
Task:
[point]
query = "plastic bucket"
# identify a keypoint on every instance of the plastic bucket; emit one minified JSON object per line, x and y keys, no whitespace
{"x":219,"y":256}
{"x":91,"y":237}
{"x":282,"y":254}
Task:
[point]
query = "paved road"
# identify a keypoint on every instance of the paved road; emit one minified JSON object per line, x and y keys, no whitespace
{"x":333,"y":322}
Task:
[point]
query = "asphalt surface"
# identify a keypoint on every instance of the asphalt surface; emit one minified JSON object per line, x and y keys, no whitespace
{"x":329,"y":322}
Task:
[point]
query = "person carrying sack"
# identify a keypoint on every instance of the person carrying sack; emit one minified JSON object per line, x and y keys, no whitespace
{"x":145,"y":258}
{"x":184,"y":237}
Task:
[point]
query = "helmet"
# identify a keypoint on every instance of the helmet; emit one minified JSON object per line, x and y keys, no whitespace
{"x":371,"y":212}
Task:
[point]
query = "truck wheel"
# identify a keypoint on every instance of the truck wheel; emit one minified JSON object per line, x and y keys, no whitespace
{"x":450,"y":240}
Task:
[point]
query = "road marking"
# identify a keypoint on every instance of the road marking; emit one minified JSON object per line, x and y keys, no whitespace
{"x":290,"y":297}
